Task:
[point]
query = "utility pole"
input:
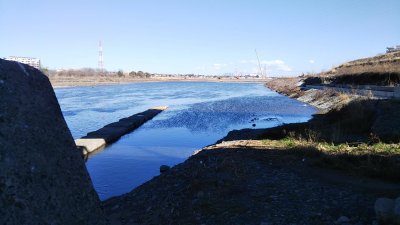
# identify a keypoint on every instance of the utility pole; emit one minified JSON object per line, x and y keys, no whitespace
{"x":101,"y":65}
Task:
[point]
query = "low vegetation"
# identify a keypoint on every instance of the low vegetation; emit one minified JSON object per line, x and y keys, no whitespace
{"x":92,"y":77}
{"x":361,"y":137}
{"x":330,"y":148}
{"x":379,"y":160}
{"x":381,"y":70}
{"x":385,"y":63}
{"x":358,"y":135}
{"x":89,"y":72}
{"x":358,"y":78}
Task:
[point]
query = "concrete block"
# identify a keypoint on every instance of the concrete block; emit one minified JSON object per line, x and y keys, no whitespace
{"x":112,"y":132}
{"x":90,"y":145}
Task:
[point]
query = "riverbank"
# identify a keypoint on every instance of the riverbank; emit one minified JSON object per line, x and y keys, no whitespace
{"x":249,"y":182}
{"x":326,"y":171}
{"x":329,"y":170}
{"x":324,"y":100}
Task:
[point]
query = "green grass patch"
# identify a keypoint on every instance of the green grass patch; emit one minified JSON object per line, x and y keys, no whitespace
{"x":330,"y":148}
{"x":380,"y":160}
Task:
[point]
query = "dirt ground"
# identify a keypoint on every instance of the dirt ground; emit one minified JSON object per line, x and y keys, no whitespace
{"x":244,"y":182}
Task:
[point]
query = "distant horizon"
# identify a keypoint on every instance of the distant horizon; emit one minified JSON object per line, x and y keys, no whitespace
{"x":198,"y":74}
{"x":207,"y":37}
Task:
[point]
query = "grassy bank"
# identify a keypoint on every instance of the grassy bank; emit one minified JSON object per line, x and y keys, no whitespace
{"x":360,"y":137}
{"x":378,"y":160}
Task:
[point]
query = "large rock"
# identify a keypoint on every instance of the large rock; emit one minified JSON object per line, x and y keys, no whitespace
{"x":43,"y":178}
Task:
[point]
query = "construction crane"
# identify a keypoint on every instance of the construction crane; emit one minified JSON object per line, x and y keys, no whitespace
{"x":262,"y":74}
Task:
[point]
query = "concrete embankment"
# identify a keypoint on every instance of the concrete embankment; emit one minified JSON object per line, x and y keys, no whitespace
{"x":43,"y":179}
{"x":110,"y":133}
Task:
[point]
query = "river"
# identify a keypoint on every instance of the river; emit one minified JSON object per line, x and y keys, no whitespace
{"x":199,"y":114}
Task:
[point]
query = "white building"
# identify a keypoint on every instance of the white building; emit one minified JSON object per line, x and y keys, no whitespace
{"x":393,"y":49}
{"x":26,"y":60}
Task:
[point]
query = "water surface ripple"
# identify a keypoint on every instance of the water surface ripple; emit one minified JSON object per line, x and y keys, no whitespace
{"x":199,"y":114}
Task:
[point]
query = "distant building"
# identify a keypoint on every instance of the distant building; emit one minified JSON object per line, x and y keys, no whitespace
{"x":34,"y":62}
{"x":393,"y":49}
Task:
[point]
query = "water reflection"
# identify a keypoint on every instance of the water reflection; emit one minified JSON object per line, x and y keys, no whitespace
{"x":199,"y":114}
{"x":216,"y":116}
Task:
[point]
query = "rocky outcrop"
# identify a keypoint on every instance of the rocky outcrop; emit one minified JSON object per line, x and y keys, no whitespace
{"x":43,"y":178}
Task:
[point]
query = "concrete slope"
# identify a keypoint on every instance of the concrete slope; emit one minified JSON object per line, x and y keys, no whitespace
{"x":43,"y":178}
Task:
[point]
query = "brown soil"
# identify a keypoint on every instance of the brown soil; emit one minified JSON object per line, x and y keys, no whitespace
{"x":286,"y":86}
{"x":244,"y":182}
{"x":381,"y":70}
{"x":381,"y":64}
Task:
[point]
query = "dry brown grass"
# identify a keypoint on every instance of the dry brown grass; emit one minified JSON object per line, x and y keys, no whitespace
{"x":343,"y":97}
{"x":323,"y":94}
{"x":286,"y":86}
{"x":378,"y":70}
{"x":372,"y":67}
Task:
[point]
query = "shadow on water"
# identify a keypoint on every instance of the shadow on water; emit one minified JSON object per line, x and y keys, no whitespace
{"x":199,"y":114}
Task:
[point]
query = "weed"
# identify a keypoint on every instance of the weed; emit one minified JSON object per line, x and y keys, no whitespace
{"x":376,"y":160}
{"x":344,"y":97}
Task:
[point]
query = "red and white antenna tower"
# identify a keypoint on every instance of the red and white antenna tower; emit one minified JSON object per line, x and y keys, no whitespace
{"x":101,"y":66}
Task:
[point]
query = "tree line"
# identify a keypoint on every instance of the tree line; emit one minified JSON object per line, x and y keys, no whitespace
{"x":89,"y":72}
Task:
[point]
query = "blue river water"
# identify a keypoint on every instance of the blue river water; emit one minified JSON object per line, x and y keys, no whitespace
{"x":199,"y":114}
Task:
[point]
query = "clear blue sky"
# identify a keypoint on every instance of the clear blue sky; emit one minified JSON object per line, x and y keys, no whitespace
{"x":206,"y":36}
